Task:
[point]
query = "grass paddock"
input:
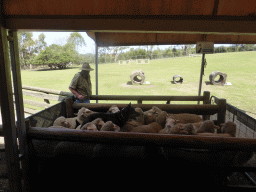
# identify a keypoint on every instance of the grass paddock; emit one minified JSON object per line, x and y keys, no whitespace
{"x":114,"y":79}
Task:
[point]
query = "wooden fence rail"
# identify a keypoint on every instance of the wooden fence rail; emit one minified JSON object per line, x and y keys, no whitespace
{"x":56,"y":95}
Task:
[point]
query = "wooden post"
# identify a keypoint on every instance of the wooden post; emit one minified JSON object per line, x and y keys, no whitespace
{"x":8,"y":117}
{"x":69,"y":109}
{"x":96,"y":65}
{"x":206,"y":101}
{"x":221,"y":117}
{"x":201,"y":76}
{"x":21,"y":128}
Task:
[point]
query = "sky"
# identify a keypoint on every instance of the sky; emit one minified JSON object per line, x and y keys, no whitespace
{"x":60,"y":38}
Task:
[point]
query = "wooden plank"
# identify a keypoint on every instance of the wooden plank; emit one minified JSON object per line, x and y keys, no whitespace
{"x":14,"y":50}
{"x":36,"y":103}
{"x":154,"y":23}
{"x":109,"y":7}
{"x":69,"y":109}
{"x":147,"y":98}
{"x":30,"y":111}
{"x":170,"y":108}
{"x":221,"y":116}
{"x":8,"y":117}
{"x":44,"y":90}
{"x":174,"y":141}
{"x":206,"y":101}
{"x":43,"y":95}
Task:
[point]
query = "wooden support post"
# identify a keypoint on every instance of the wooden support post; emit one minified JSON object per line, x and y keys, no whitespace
{"x":8,"y":117}
{"x":96,"y":65}
{"x":69,"y":109}
{"x":206,"y":101}
{"x":21,"y":128}
{"x":221,"y":117}
{"x":201,"y":76}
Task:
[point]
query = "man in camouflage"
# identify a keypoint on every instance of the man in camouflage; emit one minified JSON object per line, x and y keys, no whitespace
{"x":81,"y":85}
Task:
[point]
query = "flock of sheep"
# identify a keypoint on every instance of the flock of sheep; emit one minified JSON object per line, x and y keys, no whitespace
{"x":152,"y":121}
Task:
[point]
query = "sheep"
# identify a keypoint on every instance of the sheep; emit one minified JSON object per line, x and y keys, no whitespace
{"x":110,"y":126}
{"x":184,"y":129}
{"x":150,"y":115}
{"x":170,"y":122}
{"x":89,"y":126}
{"x":166,"y":121}
{"x":161,"y":118}
{"x":65,"y":122}
{"x":150,"y":128}
{"x":113,"y":109}
{"x":207,"y":127}
{"x":83,"y":113}
{"x":186,"y":118}
{"x":228,"y":128}
{"x":72,"y":123}
{"x":97,"y":123}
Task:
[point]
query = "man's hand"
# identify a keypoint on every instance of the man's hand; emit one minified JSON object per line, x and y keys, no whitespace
{"x":80,"y":97}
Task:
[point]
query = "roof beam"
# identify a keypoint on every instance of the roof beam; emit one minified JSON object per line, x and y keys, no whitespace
{"x":178,"y":24}
{"x":125,"y":39}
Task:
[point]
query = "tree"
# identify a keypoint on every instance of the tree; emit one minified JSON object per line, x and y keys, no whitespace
{"x":150,"y":49}
{"x":77,"y":40}
{"x":56,"y":54}
{"x":40,"y":43}
{"x":26,"y":47}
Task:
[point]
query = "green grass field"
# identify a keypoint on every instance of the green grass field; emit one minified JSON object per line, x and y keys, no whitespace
{"x":113,"y":78}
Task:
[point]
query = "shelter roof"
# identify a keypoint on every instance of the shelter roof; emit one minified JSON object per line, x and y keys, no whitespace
{"x":136,"y":22}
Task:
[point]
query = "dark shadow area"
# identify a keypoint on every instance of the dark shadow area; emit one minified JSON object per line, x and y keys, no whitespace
{"x":49,"y":69}
{"x":129,"y":83}
{"x":208,"y":83}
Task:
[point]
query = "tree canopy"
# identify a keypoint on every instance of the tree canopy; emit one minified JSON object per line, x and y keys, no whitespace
{"x":36,"y":52}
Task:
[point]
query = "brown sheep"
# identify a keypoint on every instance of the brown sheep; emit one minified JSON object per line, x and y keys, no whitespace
{"x":228,"y":128}
{"x":161,"y":118}
{"x":151,"y":115}
{"x":170,"y":122}
{"x":207,"y":127}
{"x":186,"y":118}
{"x":110,"y":126}
{"x":166,"y":121}
{"x":150,"y":128}
{"x":184,"y":129}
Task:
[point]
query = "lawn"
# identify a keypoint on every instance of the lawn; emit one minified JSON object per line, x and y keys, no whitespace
{"x":113,"y":78}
